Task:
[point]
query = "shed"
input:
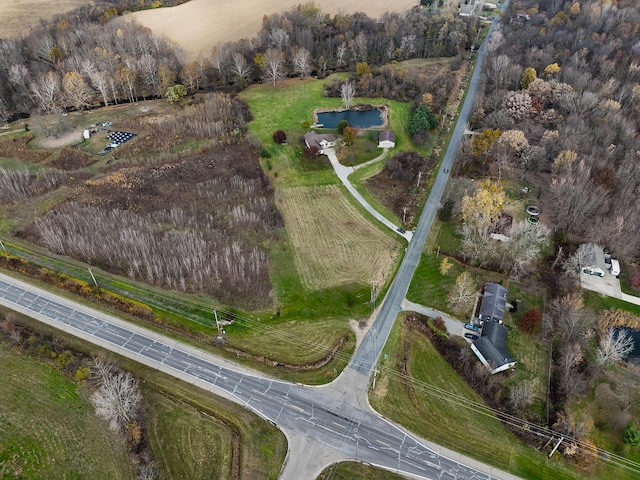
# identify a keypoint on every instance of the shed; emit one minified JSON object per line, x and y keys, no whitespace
{"x":86,"y":134}
{"x":387,"y":139}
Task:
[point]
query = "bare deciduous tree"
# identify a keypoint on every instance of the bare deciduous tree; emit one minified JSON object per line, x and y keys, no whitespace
{"x":347,"y":91}
{"x":117,"y":398}
{"x":274,"y":66}
{"x":301,"y":61}
{"x":463,"y":294}
{"x":613,"y":347}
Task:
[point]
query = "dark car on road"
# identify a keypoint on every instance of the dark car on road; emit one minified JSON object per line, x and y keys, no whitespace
{"x":401,"y":230}
{"x":471,"y":336}
{"x":471,"y":327}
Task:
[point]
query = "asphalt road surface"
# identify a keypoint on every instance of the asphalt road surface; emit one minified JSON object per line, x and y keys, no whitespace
{"x":355,"y":432}
{"x":367,"y":355}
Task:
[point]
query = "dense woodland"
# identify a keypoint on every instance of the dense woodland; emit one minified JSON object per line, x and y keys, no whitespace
{"x":562,"y":98}
{"x":560,"y":109}
{"x":85,"y":58}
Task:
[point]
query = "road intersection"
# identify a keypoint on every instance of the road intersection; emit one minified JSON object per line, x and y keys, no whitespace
{"x":323,"y":424}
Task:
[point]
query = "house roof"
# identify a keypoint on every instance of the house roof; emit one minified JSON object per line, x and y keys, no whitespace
{"x":493,"y":344}
{"x":315,"y":139}
{"x":493,"y":303}
{"x":591,"y":255}
{"x":387,"y":135}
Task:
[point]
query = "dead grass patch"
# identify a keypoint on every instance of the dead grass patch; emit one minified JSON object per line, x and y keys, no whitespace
{"x":19,"y":16}
{"x":333,"y":243}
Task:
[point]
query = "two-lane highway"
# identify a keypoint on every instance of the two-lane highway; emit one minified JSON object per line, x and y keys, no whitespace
{"x":352,"y":431}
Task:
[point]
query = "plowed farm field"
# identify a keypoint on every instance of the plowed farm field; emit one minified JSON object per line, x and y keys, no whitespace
{"x":199,"y":25}
{"x":333,"y":243}
{"x":19,"y":16}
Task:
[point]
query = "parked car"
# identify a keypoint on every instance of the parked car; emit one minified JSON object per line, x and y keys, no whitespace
{"x":471,"y":336}
{"x":401,"y":230}
{"x":471,"y":327}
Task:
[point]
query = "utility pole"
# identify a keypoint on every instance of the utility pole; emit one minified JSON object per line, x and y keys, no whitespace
{"x":372,"y":298}
{"x":94,"y":278}
{"x":215,"y":314}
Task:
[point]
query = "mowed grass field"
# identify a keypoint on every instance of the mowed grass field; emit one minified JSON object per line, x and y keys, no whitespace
{"x":198,"y":25}
{"x":334,"y":244}
{"x":19,"y":16}
{"x":48,"y":428}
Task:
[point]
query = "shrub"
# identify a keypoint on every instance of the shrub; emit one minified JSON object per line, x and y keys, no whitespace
{"x":445,"y":213}
{"x":531,"y":322}
{"x":635,"y":278}
{"x":265,"y":153}
{"x":279,"y":136}
{"x":342,"y":124}
{"x":310,"y":152}
{"x":631,"y":435}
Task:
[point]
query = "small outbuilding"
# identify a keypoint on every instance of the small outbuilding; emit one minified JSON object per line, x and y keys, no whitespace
{"x":387,"y":139}
{"x":86,"y":134}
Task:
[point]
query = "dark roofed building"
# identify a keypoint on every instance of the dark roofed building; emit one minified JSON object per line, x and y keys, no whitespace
{"x":491,"y":348}
{"x":493,"y":303}
{"x":319,"y":140}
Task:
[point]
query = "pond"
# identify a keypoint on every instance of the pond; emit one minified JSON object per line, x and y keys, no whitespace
{"x":635,"y":334}
{"x":356,"y":118}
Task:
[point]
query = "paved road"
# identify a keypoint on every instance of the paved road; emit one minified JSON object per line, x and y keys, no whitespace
{"x":352,"y":431}
{"x":336,"y":417}
{"x":367,"y":355}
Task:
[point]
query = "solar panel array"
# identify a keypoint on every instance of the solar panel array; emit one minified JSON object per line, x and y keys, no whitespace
{"x":120,"y":137}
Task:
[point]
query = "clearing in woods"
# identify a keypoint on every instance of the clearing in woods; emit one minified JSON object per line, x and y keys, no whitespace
{"x":334,"y":244}
{"x":48,"y":428}
{"x":199,"y":25}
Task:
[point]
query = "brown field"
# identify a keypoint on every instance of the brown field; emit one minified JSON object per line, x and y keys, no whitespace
{"x":20,"y":16}
{"x":333,"y":243}
{"x":198,"y":25}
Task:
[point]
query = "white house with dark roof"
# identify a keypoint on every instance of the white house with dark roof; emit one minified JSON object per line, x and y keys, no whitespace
{"x":387,"y":139}
{"x":491,"y":347}
{"x":320,"y":140}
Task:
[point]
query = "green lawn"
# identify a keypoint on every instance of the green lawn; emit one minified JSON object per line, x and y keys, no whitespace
{"x":190,"y":430}
{"x":453,"y":426}
{"x":600,"y":302}
{"x":48,"y":428}
{"x":356,"y":471}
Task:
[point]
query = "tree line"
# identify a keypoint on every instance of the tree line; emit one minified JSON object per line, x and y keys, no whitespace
{"x":85,"y":59}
